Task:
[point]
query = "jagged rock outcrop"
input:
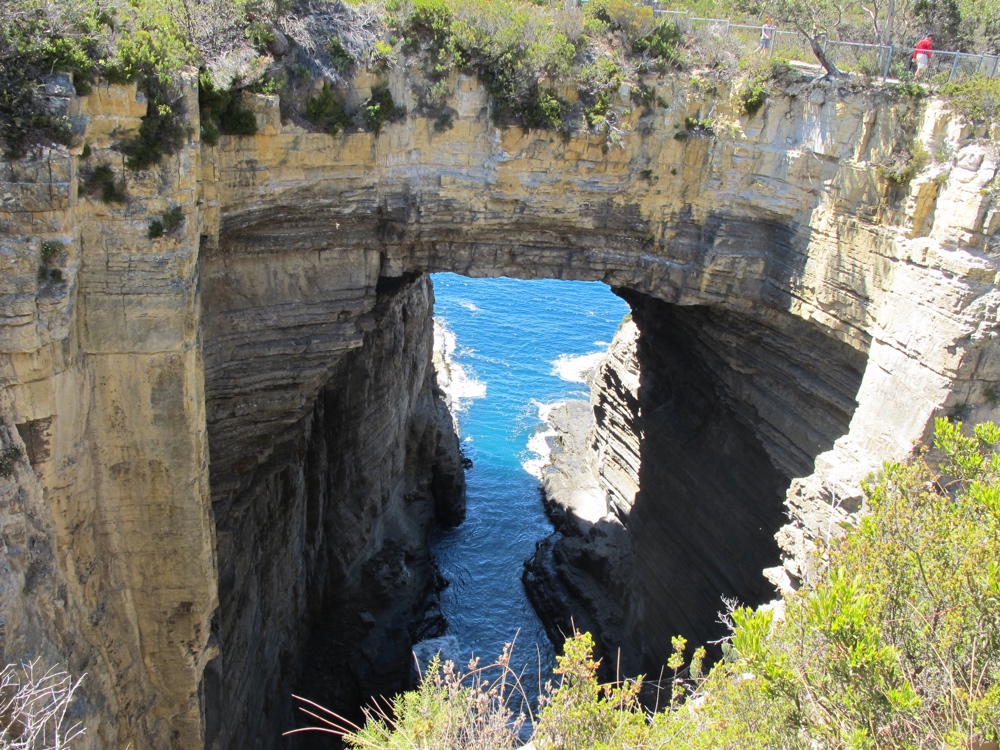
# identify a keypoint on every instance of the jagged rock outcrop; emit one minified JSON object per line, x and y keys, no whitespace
{"x":701,"y":418}
{"x":173,"y":394}
{"x":324,"y":557}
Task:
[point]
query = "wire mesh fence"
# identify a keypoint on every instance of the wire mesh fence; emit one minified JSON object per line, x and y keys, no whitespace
{"x":873,"y":60}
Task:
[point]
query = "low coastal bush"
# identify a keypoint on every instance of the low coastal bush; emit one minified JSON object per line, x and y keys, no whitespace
{"x":635,"y":21}
{"x":221,"y":112}
{"x":977,"y":100}
{"x":896,"y":646}
{"x":167,"y":223}
{"x":522,"y":52}
{"x":750,"y":97}
{"x":326,"y":112}
{"x":381,"y":108}
{"x":100,"y":182}
{"x":662,"y":44}
{"x":8,"y":456}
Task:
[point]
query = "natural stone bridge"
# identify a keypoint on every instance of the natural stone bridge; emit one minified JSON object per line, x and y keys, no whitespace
{"x":232,"y":432}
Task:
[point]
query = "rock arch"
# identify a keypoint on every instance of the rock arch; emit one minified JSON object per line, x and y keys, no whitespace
{"x":152,"y":566}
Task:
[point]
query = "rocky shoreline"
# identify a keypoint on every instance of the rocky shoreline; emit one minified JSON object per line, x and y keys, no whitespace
{"x":578,"y":577}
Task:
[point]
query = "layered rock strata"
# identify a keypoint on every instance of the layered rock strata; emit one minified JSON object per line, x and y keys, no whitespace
{"x":701,"y":417}
{"x":325,"y":570}
{"x":166,"y":391}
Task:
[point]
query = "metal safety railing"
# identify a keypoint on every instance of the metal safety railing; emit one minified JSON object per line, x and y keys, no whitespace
{"x":875,"y":60}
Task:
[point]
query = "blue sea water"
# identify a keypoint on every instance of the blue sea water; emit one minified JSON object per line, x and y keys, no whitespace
{"x":518,"y":346}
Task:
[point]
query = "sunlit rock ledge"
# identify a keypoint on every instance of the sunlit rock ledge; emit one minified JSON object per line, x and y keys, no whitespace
{"x":202,"y":470}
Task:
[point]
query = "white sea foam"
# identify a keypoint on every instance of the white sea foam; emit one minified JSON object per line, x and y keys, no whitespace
{"x":538,"y":447}
{"x":460,"y":388}
{"x":470,"y":306}
{"x":574,"y":368}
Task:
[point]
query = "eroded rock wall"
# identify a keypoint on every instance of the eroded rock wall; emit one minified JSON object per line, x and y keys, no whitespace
{"x":701,"y":417}
{"x":325,"y":567}
{"x":109,"y":557}
{"x":168,"y":388}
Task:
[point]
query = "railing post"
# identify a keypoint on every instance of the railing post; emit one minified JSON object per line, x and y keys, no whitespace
{"x":953,"y":66}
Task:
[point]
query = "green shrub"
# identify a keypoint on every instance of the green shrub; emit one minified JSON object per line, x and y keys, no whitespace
{"x":209,"y":133}
{"x":544,"y":109}
{"x":326,"y":112}
{"x":50,"y":249}
{"x":73,"y":55}
{"x":380,"y":109}
{"x":868,"y":66}
{"x":259,"y":34}
{"x":908,"y":89}
{"x":342,"y":59}
{"x":429,"y":26}
{"x":237,"y":121}
{"x":582,"y":713}
{"x":512,"y":48}
{"x":751,"y":97}
{"x":696,"y":127}
{"x":56,"y":276}
{"x":8,"y":456}
{"x":903,"y":164}
{"x":645,"y":96}
{"x":168,"y":222}
{"x":599,"y":83}
{"x":662,"y":44}
{"x":977,"y":99}
{"x":636,"y":21}
{"x":779,"y":66}
{"x":450,"y":710}
{"x":221,"y":112}
{"x":161,"y":132}
{"x":381,"y":54}
{"x":101,"y":183}
{"x":23,"y":115}
{"x":151,"y":56}
{"x":173,"y":218}
{"x":897,"y":645}
{"x":595,"y":27}
{"x":444,"y":121}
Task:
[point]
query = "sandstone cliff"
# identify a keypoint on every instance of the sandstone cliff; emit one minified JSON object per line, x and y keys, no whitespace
{"x":214,"y":433}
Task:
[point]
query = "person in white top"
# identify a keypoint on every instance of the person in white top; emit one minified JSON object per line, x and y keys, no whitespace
{"x":766,"y":36}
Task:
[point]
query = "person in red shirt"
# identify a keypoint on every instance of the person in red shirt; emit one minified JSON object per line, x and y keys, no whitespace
{"x":922,"y":54}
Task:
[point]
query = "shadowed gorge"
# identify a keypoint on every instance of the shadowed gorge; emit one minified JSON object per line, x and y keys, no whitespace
{"x":730,"y":410}
{"x":701,"y":419}
{"x":233,"y":434}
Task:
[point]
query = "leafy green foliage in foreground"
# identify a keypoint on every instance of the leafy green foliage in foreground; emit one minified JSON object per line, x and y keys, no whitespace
{"x":897,"y":647}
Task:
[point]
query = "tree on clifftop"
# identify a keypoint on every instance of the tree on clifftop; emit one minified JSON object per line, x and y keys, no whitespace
{"x":813,"y":19}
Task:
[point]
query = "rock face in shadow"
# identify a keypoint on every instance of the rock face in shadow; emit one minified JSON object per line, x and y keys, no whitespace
{"x":700,"y":417}
{"x":325,"y":552}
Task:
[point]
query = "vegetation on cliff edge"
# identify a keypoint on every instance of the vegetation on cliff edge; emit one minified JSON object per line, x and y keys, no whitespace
{"x":897,"y":646}
{"x":534,"y":58}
